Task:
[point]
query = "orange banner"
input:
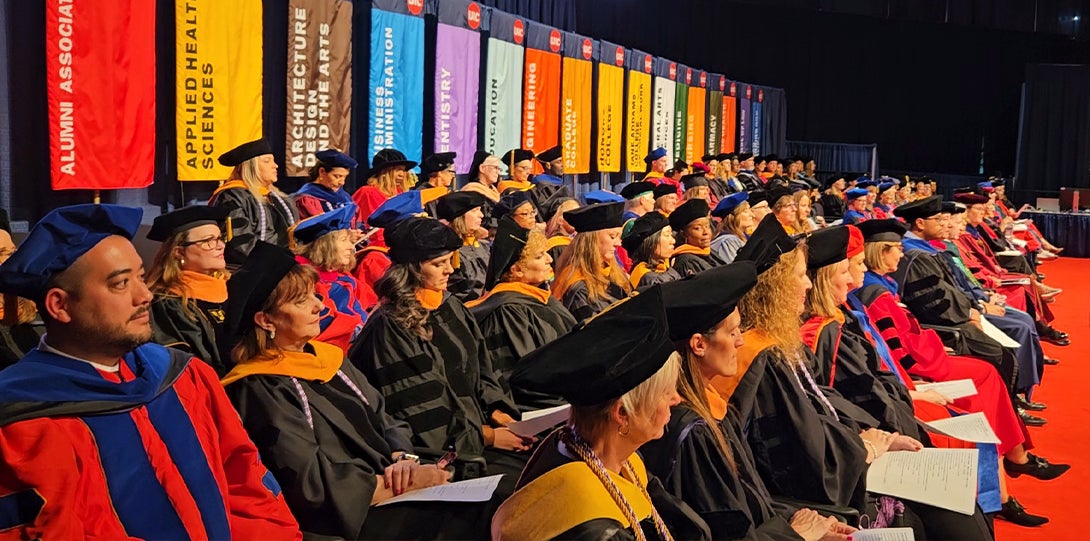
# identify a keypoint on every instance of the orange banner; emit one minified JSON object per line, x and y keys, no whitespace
{"x":697,"y":119}
{"x":730,"y":123}
{"x":575,"y":118}
{"x":541,"y":100}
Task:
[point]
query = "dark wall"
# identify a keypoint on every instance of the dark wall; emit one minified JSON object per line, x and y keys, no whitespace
{"x":933,"y":96}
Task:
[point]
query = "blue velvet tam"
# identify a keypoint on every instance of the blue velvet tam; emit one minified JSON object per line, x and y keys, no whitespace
{"x":314,"y":227}
{"x":58,"y":240}
{"x":331,"y":158}
{"x":727,"y":204}
{"x":399,"y":207}
{"x":602,"y":196}
{"x":655,"y":154}
{"x":855,"y":193}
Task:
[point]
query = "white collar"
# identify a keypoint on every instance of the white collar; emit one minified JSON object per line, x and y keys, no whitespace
{"x":43,"y":346}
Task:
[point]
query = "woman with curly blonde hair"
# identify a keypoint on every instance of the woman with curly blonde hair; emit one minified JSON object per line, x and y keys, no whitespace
{"x":388,"y":176}
{"x":588,"y":276}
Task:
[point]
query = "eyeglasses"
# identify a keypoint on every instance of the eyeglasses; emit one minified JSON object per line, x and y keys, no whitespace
{"x":210,"y":243}
{"x":526,"y":213}
{"x":450,"y":170}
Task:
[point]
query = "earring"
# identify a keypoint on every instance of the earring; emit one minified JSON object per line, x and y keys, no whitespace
{"x":181,"y":261}
{"x":272,"y":333}
{"x":623,"y":429}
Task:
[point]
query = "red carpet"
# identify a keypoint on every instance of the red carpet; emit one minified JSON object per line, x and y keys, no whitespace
{"x":1064,"y":439}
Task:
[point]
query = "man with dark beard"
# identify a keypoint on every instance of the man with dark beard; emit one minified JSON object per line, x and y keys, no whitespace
{"x":102,"y":434}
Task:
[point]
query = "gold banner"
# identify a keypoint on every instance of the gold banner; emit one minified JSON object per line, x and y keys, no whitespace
{"x":638,"y":120}
{"x":575,"y":120}
{"x":610,"y":115}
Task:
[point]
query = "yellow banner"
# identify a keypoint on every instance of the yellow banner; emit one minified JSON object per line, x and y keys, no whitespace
{"x":694,"y":130}
{"x":610,"y":114}
{"x":638,"y":120}
{"x":218,"y":71}
{"x":575,"y":119}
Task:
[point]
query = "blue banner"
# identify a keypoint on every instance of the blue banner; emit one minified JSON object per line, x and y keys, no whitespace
{"x":396,"y":84}
{"x":745,"y":124}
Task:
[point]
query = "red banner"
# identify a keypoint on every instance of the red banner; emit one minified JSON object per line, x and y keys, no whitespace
{"x":100,"y":64}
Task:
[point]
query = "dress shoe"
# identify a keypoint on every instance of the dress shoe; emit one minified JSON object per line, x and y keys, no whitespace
{"x":1031,"y":420}
{"x":1050,"y":362}
{"x":1029,"y":405}
{"x":1037,"y":467}
{"x":1052,"y":335}
{"x":1014,"y":513}
{"x":1056,"y":341}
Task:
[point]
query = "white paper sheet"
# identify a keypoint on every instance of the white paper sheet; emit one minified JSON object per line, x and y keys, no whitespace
{"x":943,"y":478}
{"x":972,"y":427}
{"x":473,"y":490}
{"x":533,"y":422}
{"x":994,"y":333}
{"x":884,"y":534}
{"x":953,"y":389}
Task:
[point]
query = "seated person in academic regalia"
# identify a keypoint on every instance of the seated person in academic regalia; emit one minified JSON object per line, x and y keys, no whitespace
{"x":436,"y":171}
{"x":325,"y":190}
{"x":20,"y":327}
{"x":319,"y":425}
{"x":887,"y":199}
{"x":666,"y":198}
{"x":650,"y":242}
{"x":388,"y":176}
{"x":103,"y":434}
{"x":484,"y":176}
{"x":519,"y":164}
{"x":586,"y":481}
{"x":693,"y":235}
{"x":855,"y":206}
{"x":703,"y":457}
{"x":639,"y":199}
{"x":657,"y":163}
{"x":696,"y":185}
{"x":519,"y":206}
{"x":324,"y":242}
{"x":735,"y":222}
{"x":461,"y":211}
{"x":517,"y":315}
{"x":189,"y":279}
{"x":258,"y":210}
{"x":832,"y":200}
{"x":785,"y":208}
{"x":374,"y":259}
{"x":552,"y":166}
{"x":425,"y":352}
{"x":588,"y":275}
{"x":557,"y":229}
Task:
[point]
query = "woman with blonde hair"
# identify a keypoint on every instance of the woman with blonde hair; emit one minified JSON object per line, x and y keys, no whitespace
{"x":735,"y":222}
{"x":703,"y":458}
{"x":804,"y":222}
{"x":189,"y":279}
{"x":586,"y":481}
{"x":388,"y":176}
{"x":588,"y":276}
{"x":517,"y":315}
{"x":258,"y":211}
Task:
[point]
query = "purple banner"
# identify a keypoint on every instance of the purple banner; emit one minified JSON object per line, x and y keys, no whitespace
{"x":457,"y":83}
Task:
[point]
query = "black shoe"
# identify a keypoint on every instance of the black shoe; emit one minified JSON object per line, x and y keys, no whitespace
{"x":1050,"y":362}
{"x":1056,"y":341}
{"x":1028,"y":405}
{"x":1014,"y":513}
{"x":1037,"y":467}
{"x":1031,"y":420}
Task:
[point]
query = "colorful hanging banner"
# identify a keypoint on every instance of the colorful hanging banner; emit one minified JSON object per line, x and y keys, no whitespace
{"x":100,"y":65}
{"x":681,"y":113}
{"x":716,"y":85}
{"x":745,"y":125}
{"x":319,"y":81}
{"x":663,"y":111}
{"x":541,"y":87}
{"x":757,"y":120}
{"x":638,"y":121}
{"x":697,"y":111}
{"x":218,"y":48}
{"x":730,"y":116}
{"x":580,"y":53}
{"x":396,"y":82}
{"x":457,"y":79}
{"x":610,"y":105}
{"x":502,"y":129}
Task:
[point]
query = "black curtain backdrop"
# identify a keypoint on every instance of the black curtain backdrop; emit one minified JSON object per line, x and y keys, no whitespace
{"x":933,"y":96}
{"x":1055,"y":140}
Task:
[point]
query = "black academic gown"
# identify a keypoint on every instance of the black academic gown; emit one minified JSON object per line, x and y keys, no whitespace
{"x":245,"y":214}
{"x":578,"y":302}
{"x":832,"y":206}
{"x":732,"y":501}
{"x":444,"y":387}
{"x":690,"y":264}
{"x":801,"y":450}
{"x":719,"y":188}
{"x":513,"y":325}
{"x":198,"y":335}
{"x":846,"y":360}
{"x":680,"y":519}
{"x":467,"y":281}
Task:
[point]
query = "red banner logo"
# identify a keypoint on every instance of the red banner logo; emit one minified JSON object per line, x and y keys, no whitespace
{"x":760,"y":96}
{"x":473,"y":15}
{"x":722,"y":84}
{"x":673,"y":71}
{"x":588,"y":48}
{"x":703,"y":80}
{"x":688,"y":75}
{"x":647,"y":63}
{"x":554,"y":40}
{"x":619,"y":56}
{"x":415,"y":6}
{"x":519,"y":31}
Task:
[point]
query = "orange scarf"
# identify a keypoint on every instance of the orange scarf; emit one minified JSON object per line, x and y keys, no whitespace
{"x":756,"y":341}
{"x":232,"y":184}
{"x":559,"y":240}
{"x":690,"y":249}
{"x":641,"y":269}
{"x":716,"y":403}
{"x":430,"y":298}
{"x":566,"y":280}
{"x":321,"y":365}
{"x":536,"y":293}
{"x":203,"y":287}
{"x":504,"y":185}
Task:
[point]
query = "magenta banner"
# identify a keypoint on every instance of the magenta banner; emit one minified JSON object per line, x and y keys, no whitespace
{"x":457,"y":80}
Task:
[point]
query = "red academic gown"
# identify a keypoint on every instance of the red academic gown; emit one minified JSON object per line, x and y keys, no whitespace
{"x":156,"y":451}
{"x":921,"y":353}
{"x":980,"y":260}
{"x":372,"y":264}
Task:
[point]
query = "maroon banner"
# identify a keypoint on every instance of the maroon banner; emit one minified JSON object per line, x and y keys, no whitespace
{"x":100,"y":64}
